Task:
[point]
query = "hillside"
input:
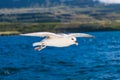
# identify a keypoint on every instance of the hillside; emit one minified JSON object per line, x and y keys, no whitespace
{"x":69,"y":16}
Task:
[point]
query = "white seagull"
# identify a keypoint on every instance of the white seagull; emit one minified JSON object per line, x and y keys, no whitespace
{"x":56,"y":40}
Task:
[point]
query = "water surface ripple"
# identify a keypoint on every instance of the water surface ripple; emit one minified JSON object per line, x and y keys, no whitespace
{"x":94,"y":59}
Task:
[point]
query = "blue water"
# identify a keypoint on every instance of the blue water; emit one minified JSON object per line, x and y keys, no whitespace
{"x":94,"y":59}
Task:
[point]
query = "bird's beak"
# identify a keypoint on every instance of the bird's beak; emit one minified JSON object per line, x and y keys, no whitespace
{"x":76,"y":43}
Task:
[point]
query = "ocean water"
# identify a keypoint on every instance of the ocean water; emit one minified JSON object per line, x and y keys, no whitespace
{"x":93,"y":59}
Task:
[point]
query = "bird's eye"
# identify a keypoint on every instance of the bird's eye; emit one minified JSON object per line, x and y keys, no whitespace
{"x":72,"y":38}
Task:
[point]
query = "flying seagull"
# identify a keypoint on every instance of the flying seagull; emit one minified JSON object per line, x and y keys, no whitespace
{"x":56,"y":40}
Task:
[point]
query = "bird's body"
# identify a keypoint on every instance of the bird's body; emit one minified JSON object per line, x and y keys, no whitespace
{"x":56,"y":40}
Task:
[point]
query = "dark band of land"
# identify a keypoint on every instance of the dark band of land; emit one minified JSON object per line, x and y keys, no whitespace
{"x":18,"y":28}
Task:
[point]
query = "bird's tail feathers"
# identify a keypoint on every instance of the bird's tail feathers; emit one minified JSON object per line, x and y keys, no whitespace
{"x":37,"y":44}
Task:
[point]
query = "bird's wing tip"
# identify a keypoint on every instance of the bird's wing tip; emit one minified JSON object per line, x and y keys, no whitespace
{"x":82,"y":35}
{"x":21,"y":34}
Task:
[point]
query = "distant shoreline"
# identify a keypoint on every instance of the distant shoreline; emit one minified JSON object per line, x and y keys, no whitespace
{"x":15,"y":28}
{"x":11,"y":33}
{"x":8,"y":33}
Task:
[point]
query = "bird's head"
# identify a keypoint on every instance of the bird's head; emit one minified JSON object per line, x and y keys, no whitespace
{"x":73,"y":39}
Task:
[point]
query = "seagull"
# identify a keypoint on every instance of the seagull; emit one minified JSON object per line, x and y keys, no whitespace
{"x":56,"y":40}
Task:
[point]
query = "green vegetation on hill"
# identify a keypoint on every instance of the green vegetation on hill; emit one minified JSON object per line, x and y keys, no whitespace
{"x":17,"y":28}
{"x":60,"y":19}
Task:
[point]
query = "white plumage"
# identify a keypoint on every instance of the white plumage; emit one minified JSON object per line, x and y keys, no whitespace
{"x":56,"y":40}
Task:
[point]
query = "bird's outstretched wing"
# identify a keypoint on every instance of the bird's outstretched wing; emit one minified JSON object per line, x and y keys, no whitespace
{"x":41,"y":34}
{"x":80,"y":35}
